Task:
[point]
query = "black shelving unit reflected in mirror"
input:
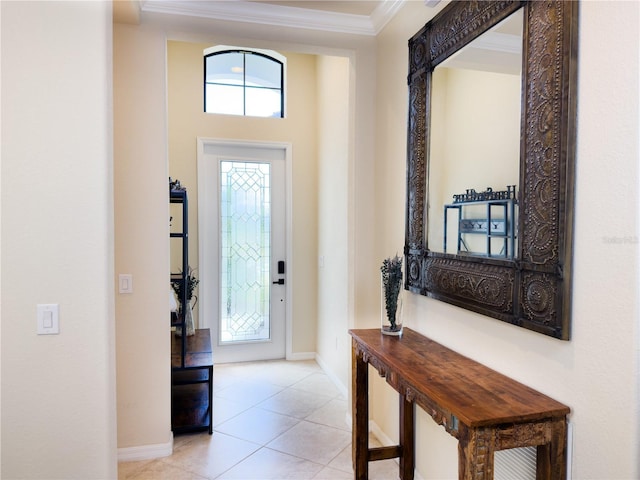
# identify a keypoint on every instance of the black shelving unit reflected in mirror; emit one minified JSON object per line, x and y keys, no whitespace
{"x":498,"y":222}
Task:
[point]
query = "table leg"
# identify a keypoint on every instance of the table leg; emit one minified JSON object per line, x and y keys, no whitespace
{"x":360,"y":416}
{"x":210,"y":400}
{"x":551,"y":458}
{"x":407,"y":439}
{"x":475,"y":453}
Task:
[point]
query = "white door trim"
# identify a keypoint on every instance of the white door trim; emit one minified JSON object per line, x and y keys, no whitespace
{"x":202,"y":143}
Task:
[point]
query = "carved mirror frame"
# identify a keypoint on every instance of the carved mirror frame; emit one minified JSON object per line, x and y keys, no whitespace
{"x":534,"y":289}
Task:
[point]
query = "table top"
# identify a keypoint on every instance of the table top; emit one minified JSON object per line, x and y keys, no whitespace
{"x":198,"y":353}
{"x":475,"y":394}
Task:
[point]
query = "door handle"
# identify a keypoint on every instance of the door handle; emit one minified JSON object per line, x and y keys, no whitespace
{"x":280,"y":281}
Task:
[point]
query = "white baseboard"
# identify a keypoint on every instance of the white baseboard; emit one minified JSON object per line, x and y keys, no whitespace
{"x":145,"y":452}
{"x":379,"y":434}
{"x":336,"y":381}
{"x":314,"y":356}
{"x":296,"y":357}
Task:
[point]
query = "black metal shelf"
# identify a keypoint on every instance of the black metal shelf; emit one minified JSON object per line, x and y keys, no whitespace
{"x":179,"y":196}
{"x":502,"y":227}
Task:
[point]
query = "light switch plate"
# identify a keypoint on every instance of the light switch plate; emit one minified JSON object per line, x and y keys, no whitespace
{"x":48,"y":319}
{"x":125,"y":283}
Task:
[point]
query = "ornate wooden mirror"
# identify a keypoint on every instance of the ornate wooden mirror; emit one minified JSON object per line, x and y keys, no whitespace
{"x":529,"y":286}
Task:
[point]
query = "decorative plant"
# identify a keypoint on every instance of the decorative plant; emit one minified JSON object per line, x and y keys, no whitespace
{"x":191,"y":282}
{"x":392,"y":282}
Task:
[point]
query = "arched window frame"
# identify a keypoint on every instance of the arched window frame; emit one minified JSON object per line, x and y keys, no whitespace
{"x":269,"y":54}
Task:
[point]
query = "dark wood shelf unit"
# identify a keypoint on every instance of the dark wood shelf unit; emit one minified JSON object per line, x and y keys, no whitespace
{"x":191,"y":356}
{"x":192,"y":383}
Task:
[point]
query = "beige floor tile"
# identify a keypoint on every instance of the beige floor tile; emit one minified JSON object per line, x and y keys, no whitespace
{"x":317,"y":443}
{"x":329,"y":473}
{"x":257,"y":425}
{"x":296,"y":403}
{"x":223,"y":381}
{"x":343,"y":461}
{"x":282,"y":373}
{"x":127,"y":470}
{"x":240,"y":370}
{"x":317,"y":383}
{"x":291,"y":407}
{"x":212,"y":455}
{"x":267,"y":464}
{"x":159,"y":470}
{"x":224,"y":409}
{"x":333,"y":414}
{"x":309,"y":365}
{"x":182,"y":440}
{"x":248,"y":391}
{"x":384,"y":470}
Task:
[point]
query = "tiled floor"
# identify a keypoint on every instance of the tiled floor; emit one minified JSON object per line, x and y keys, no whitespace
{"x":272,"y":420}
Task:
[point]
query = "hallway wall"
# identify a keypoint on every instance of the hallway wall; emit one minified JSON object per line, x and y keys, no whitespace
{"x":141,"y":196}
{"x":58,"y":391}
{"x":597,"y":371}
{"x":335,"y":176}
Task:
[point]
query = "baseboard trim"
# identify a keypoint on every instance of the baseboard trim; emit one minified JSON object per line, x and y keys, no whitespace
{"x":296,"y":357}
{"x":336,"y":381}
{"x":145,"y":452}
{"x":379,"y":434}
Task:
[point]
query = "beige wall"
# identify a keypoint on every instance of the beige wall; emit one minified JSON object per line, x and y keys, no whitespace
{"x":597,"y":371}
{"x":187,"y":122}
{"x":333,"y":215}
{"x":58,"y":391}
{"x":141,"y":197}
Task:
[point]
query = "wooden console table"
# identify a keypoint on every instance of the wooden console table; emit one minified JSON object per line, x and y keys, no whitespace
{"x":485,"y":410}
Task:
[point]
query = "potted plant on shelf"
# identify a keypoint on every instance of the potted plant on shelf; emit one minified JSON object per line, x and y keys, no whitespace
{"x":391,"y":311}
{"x":186,"y":311}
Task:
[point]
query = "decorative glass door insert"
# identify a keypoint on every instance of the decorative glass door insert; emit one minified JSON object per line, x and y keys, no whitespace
{"x":245,"y":251}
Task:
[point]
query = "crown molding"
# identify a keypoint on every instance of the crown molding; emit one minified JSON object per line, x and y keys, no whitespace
{"x":277,"y":15}
{"x":384,"y":13}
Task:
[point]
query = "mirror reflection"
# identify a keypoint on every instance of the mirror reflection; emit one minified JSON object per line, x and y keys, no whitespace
{"x":475,"y":146}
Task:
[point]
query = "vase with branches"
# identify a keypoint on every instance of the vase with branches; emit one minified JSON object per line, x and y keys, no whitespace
{"x":190,"y":282}
{"x":391,"y":272}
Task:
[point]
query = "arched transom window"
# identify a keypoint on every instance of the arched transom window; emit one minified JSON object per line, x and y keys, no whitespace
{"x":244,"y":82}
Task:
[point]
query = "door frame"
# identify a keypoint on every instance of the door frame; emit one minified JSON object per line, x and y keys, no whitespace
{"x":202,"y":143}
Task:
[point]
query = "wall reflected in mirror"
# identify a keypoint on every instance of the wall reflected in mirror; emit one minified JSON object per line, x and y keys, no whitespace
{"x":475,"y":145}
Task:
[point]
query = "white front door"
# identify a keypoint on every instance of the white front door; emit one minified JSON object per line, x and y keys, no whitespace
{"x":242,"y":248}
